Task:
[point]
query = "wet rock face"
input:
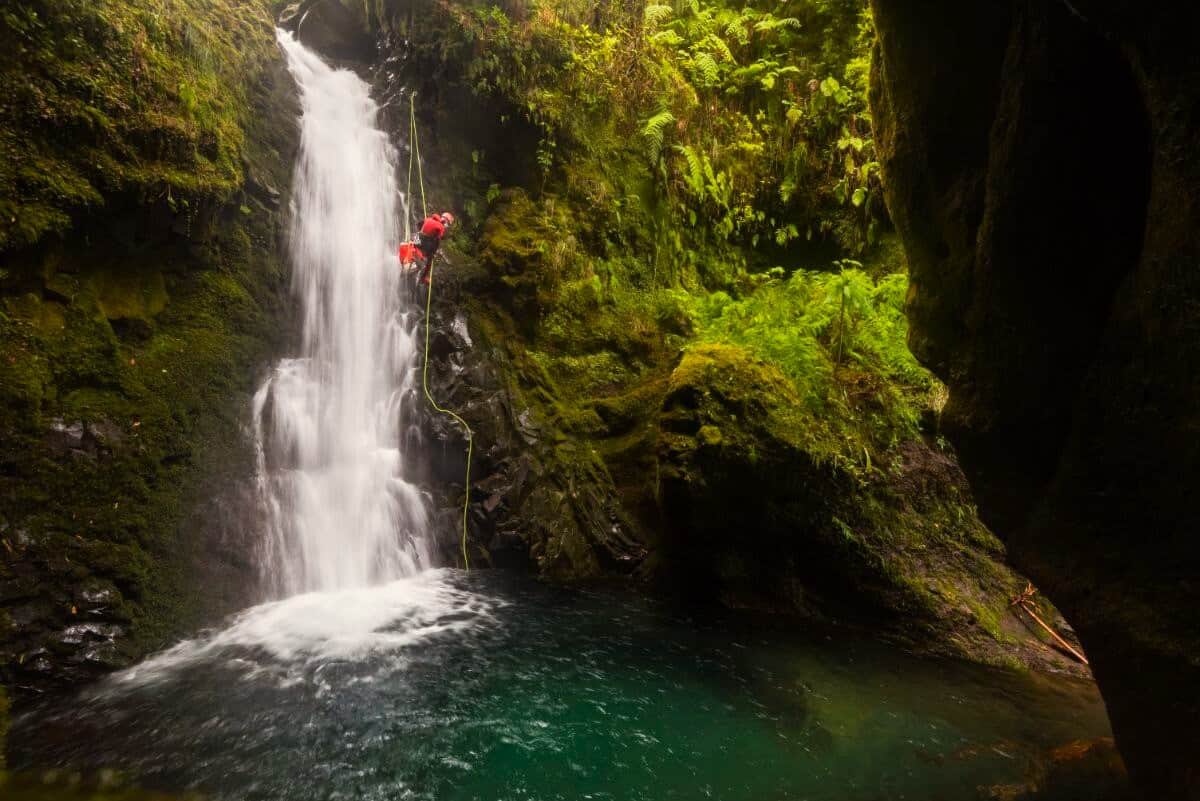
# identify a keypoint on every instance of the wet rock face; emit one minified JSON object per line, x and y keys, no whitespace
{"x":80,"y":440}
{"x":330,"y":27}
{"x":1037,"y":164}
{"x":537,"y":499}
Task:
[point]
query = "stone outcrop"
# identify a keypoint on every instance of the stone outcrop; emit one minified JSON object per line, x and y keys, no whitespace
{"x":1039,"y":164}
{"x":757,"y":516}
{"x":539,"y":499}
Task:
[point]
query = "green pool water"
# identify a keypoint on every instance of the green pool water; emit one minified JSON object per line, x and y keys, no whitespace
{"x":489,"y":686}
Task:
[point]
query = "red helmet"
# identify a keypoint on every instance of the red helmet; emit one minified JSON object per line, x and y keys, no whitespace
{"x":447,"y":218}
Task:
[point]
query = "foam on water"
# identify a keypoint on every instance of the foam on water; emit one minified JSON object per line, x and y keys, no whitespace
{"x":293,"y":636}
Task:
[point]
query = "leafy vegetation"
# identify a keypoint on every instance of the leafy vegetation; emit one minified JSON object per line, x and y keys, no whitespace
{"x":689,"y":270}
{"x":840,"y":337}
{"x":751,"y":122}
{"x":679,"y":153}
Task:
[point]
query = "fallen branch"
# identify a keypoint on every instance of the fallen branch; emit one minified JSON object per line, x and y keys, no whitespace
{"x":1024,"y":600}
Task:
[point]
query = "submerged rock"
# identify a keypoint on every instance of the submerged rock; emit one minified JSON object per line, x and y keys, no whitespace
{"x":1086,"y":769}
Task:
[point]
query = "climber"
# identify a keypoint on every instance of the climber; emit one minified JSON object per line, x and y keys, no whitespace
{"x":430,"y":237}
{"x":422,"y":251}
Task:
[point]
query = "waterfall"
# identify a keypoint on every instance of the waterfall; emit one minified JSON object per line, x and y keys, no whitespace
{"x":330,"y":423}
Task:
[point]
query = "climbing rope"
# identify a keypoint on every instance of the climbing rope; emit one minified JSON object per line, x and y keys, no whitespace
{"x":414,"y":154}
{"x":414,"y":148}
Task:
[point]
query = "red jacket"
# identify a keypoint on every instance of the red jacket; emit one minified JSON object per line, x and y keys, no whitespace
{"x":433,"y":227}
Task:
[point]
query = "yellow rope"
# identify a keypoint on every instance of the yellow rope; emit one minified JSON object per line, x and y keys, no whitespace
{"x":462,"y":422}
{"x":416,"y":148}
{"x":408,"y":187}
{"x":414,"y":153}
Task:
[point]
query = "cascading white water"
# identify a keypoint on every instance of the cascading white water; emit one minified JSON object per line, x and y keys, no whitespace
{"x":328,"y":423}
{"x":345,"y":542}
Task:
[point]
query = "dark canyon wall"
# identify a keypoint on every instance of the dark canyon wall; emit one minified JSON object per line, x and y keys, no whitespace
{"x":1039,"y":162}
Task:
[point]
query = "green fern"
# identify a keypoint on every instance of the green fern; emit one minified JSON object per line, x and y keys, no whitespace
{"x":717,"y":185}
{"x":656,"y":13}
{"x":705,"y":68}
{"x":694,"y":176}
{"x":667,"y":38}
{"x":687,"y":7}
{"x":716,"y":45}
{"x":736,"y":29}
{"x":769,"y":24}
{"x":654,"y":132}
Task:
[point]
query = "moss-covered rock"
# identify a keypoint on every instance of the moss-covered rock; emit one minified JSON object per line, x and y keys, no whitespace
{"x":110,"y":101}
{"x":542,"y":494}
{"x":758,"y":515}
{"x":134,"y":310}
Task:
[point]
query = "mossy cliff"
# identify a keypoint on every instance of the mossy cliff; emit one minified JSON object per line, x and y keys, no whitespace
{"x":1039,"y":160}
{"x":651,"y":396}
{"x":146,"y":149}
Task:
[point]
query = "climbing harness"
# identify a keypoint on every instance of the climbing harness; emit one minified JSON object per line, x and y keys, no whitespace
{"x":414,"y":154}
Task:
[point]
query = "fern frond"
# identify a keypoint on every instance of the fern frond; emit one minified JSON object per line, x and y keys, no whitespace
{"x":653,"y":131}
{"x":706,"y":69}
{"x":716,"y":44}
{"x":694,"y":176}
{"x":667,"y":38}
{"x":656,"y":13}
{"x":738,"y":32}
{"x":769,"y":23}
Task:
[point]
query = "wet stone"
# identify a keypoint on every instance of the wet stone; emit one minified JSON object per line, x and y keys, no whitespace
{"x":97,"y":594}
{"x":79,"y":633}
{"x":105,"y":433}
{"x":64,"y":437}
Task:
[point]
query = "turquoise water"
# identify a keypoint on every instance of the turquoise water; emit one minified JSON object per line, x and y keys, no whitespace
{"x":489,"y":686}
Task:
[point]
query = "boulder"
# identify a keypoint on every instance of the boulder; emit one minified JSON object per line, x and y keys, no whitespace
{"x":758,"y":514}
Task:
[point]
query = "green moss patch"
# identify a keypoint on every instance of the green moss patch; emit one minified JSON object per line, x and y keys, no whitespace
{"x":105,"y":98}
